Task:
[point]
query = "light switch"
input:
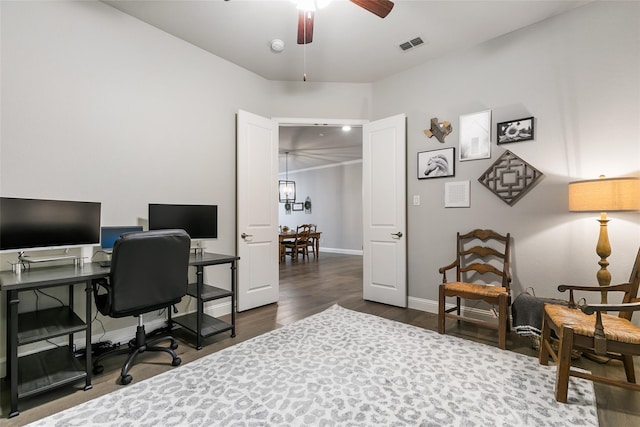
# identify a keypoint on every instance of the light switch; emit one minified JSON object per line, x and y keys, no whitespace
{"x":416,"y":200}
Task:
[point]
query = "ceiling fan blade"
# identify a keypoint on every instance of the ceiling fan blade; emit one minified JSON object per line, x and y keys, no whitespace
{"x":378,"y":7}
{"x":305,"y":27}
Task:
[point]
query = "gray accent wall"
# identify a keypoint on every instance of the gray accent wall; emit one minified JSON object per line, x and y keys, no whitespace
{"x":578,"y":74}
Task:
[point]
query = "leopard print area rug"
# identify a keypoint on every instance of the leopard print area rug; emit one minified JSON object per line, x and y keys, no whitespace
{"x":345,"y":368}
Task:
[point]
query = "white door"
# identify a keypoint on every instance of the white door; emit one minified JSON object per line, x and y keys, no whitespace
{"x":384,"y":211}
{"x":257,"y":210}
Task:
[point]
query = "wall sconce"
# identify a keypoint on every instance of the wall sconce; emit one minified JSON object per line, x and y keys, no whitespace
{"x":604,"y":195}
{"x":286,"y":188}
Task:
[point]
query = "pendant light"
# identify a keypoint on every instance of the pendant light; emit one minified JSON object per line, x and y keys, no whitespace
{"x":286,"y":188}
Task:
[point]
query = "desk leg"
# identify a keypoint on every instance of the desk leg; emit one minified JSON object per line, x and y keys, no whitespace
{"x":233,"y":299}
{"x":12,"y":349}
{"x":317,"y":253}
{"x":200,"y":309}
{"x":88,"y":366}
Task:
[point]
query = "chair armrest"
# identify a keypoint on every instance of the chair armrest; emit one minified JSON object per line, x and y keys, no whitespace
{"x":443,"y":270}
{"x":599,"y":337}
{"x":592,"y":308}
{"x":623,"y":287}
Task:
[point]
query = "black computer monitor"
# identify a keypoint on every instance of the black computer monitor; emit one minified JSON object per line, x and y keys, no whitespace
{"x":41,"y":224}
{"x":199,"y":221}
{"x":109,"y":235}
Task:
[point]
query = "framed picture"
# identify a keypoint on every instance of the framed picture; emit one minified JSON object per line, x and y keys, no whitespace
{"x":515,"y":130}
{"x":475,"y":136}
{"x":436,"y":163}
{"x":298,"y":206}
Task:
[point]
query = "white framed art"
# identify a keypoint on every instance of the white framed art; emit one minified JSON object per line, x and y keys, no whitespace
{"x":475,"y":136}
{"x":456,"y":194}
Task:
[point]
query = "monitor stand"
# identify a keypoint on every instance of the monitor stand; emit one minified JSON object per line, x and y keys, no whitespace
{"x":197,"y":247}
{"x":28,"y":260}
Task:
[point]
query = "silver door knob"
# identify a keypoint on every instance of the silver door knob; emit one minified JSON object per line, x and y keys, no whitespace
{"x":245,"y":235}
{"x":398,"y":234}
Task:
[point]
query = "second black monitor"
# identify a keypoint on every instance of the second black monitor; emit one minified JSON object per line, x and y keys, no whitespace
{"x":199,"y":221}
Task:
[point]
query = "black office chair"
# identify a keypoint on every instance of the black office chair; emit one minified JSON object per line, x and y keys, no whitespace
{"x":149,"y":271}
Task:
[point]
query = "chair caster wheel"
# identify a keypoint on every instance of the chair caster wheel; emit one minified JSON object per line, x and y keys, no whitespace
{"x":98,"y":369}
{"x":174,"y":345}
{"x":176,"y":361}
{"x":126,"y":379}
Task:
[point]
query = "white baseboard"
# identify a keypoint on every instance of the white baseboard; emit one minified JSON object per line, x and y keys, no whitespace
{"x":431,"y":306}
{"x":341,"y":251}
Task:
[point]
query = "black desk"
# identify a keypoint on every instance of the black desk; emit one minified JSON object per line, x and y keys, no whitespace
{"x":48,"y":369}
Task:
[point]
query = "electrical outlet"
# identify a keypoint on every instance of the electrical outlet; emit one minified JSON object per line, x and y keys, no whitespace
{"x":416,"y":200}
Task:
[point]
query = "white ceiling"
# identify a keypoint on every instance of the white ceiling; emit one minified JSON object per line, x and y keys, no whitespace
{"x":314,"y":146}
{"x":349,"y":44}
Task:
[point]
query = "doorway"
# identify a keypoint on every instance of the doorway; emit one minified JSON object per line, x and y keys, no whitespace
{"x":325,"y":162}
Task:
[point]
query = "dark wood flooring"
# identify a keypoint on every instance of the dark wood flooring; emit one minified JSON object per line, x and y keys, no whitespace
{"x":308,"y":287}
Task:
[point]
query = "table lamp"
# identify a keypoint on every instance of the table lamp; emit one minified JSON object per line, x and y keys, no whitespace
{"x":604,"y":195}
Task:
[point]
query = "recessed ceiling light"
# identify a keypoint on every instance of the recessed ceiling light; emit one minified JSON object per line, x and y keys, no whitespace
{"x":346,"y":128}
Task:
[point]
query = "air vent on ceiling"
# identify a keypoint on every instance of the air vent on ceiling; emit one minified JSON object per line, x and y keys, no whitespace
{"x":411,"y":43}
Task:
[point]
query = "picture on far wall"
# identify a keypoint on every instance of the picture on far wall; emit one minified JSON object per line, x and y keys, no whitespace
{"x":298,"y":206}
{"x":475,"y":136}
{"x":436,"y":163}
{"x":515,"y":130}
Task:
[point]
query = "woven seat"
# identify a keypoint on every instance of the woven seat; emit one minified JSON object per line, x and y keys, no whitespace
{"x":475,"y":289}
{"x":591,"y":329}
{"x":615,"y":327}
{"x":480,"y":254}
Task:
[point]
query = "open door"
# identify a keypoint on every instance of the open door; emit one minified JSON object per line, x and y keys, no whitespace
{"x":257,"y":210}
{"x":384,"y":211}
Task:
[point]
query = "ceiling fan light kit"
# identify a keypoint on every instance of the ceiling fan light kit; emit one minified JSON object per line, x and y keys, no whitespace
{"x":307,"y":8}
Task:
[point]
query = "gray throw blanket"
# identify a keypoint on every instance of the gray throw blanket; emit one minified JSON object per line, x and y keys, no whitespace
{"x":527,"y":311}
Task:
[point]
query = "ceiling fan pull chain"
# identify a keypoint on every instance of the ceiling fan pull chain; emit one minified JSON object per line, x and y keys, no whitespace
{"x":304,"y":53}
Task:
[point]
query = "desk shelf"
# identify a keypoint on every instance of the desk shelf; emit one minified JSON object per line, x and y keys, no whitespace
{"x":44,"y":370}
{"x":210,"y":325}
{"x":50,"y":323}
{"x":199,"y":323}
{"x":209,"y":292}
{"x":49,"y":369}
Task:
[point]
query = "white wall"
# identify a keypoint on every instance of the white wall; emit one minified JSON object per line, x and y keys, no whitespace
{"x":320,"y":100}
{"x":578,"y":75}
{"x":336,"y":198}
{"x":97,"y":105}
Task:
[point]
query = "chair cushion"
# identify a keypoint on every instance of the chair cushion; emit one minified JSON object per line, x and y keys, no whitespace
{"x":615,"y":328}
{"x":476,"y":288}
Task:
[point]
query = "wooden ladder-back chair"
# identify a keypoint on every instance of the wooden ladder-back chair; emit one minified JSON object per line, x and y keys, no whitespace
{"x":311,"y":246}
{"x":299,"y":244}
{"x":591,"y":329}
{"x":480,"y":253}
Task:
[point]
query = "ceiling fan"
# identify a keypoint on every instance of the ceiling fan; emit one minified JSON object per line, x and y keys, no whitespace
{"x":305,"y":15}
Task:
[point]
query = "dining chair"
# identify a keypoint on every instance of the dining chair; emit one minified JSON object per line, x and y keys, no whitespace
{"x":311,"y":246}
{"x":300,"y":243}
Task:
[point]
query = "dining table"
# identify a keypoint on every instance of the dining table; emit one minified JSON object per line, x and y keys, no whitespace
{"x":315,"y":235}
